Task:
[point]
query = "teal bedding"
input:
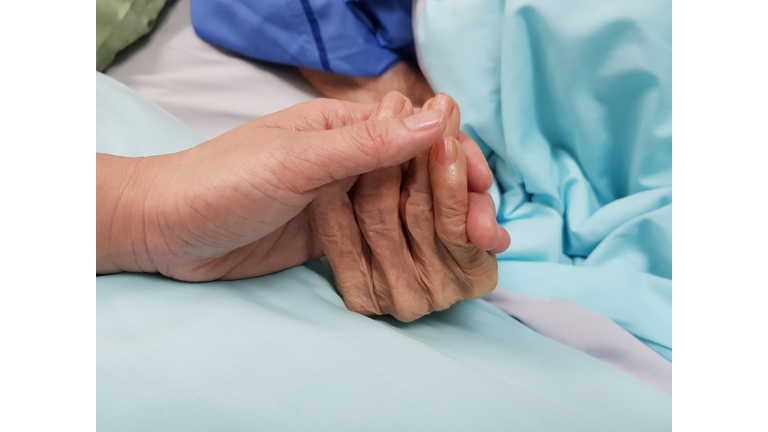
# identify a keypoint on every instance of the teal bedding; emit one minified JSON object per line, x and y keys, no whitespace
{"x":281,"y":352}
{"x":571,"y":102}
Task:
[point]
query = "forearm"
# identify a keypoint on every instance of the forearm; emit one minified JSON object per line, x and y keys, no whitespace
{"x":121,"y":197}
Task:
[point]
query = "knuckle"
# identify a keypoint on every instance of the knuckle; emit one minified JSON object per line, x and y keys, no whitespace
{"x":374,"y":217}
{"x":416,"y":211}
{"x":328,"y":234}
{"x":442,"y":302}
{"x":411,"y":307}
{"x":474,"y":262}
{"x":361,"y":308}
{"x":363,"y":148}
{"x":357,"y":296}
{"x":418,"y":202}
{"x":338,"y":113}
{"x":486,"y":284}
{"x":410,"y":314}
{"x":326,"y":226}
{"x":323,"y":109}
{"x":365,"y":203}
{"x":445,"y":289}
{"x":377,"y":221}
{"x":453,"y":216}
{"x":375,"y":133}
{"x":484,"y":278}
{"x":452,"y":233}
{"x":449,"y":301}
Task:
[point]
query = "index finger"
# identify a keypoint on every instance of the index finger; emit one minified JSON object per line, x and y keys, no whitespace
{"x":317,"y":115}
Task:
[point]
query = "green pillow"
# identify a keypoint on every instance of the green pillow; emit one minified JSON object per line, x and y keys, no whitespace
{"x":119,"y":23}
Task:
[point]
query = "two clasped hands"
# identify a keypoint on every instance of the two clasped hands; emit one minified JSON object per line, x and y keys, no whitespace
{"x":396,"y":198}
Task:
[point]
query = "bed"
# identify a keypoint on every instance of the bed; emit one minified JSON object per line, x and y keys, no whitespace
{"x":280,"y":352}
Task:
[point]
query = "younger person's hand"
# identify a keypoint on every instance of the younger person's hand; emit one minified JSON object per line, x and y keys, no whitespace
{"x":235,"y":206}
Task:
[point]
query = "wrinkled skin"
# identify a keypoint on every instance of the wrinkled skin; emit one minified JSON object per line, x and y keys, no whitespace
{"x":415,"y":239}
{"x":238,"y":206}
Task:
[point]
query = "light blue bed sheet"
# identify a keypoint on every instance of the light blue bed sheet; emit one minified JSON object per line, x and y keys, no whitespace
{"x":281,"y":352}
{"x":571,"y":102}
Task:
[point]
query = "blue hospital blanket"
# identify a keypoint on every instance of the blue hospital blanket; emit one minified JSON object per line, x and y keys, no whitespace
{"x":281,"y":352}
{"x":571,"y":102}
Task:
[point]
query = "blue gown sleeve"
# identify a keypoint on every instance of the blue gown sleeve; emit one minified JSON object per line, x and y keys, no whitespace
{"x":352,"y":37}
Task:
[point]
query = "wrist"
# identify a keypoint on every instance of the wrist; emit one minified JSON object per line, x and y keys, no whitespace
{"x":122,"y":188}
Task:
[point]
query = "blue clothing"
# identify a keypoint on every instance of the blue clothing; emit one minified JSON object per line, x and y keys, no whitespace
{"x":351,"y":37}
{"x":571,"y":103}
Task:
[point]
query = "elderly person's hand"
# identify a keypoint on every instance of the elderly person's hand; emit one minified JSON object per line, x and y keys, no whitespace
{"x":412,"y":241}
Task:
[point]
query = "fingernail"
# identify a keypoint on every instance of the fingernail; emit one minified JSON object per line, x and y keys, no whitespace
{"x":448,"y":152}
{"x":424,"y":120}
{"x":443,"y":103}
{"x":392,"y":104}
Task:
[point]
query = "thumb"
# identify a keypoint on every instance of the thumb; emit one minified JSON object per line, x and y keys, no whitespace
{"x":326,"y":156}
